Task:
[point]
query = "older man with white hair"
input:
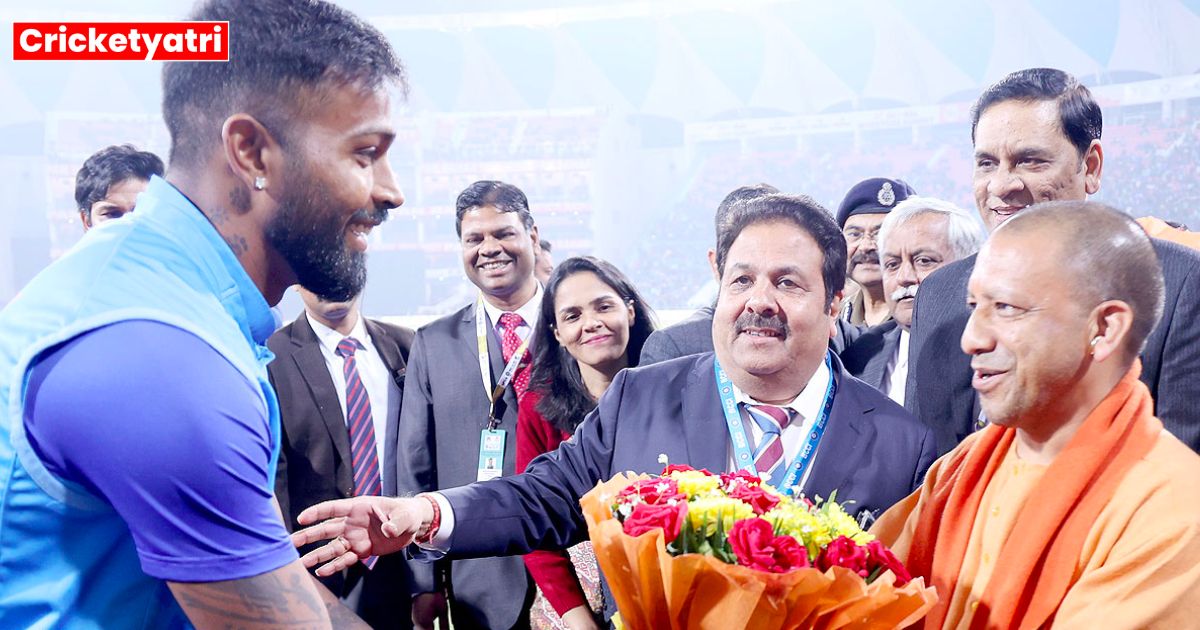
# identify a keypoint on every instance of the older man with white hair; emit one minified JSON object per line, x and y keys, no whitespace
{"x":918,"y":236}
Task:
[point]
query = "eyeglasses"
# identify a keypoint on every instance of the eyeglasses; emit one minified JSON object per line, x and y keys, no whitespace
{"x":854,"y":234}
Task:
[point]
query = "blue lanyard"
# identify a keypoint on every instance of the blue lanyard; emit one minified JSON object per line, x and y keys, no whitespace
{"x":742,"y":455}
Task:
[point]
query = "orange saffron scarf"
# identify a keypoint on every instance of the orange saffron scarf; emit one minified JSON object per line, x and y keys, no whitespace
{"x":1038,"y":563}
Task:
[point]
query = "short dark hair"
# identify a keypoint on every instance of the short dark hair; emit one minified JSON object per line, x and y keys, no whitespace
{"x":499,"y":195}
{"x":1078,"y":113}
{"x":112,"y":165}
{"x":739,"y":195}
{"x":276,"y":48}
{"x":1107,"y":254}
{"x":805,"y":213}
{"x":545,"y":245}
{"x":565,"y":399}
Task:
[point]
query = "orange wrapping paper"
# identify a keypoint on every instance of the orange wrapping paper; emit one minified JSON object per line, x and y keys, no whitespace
{"x":655,"y":590}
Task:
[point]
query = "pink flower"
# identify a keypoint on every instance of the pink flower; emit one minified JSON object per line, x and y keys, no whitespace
{"x":756,"y":546}
{"x":881,"y":556}
{"x":754,"y":496}
{"x":646,"y":517}
{"x":729,"y":481}
{"x":844,"y":552}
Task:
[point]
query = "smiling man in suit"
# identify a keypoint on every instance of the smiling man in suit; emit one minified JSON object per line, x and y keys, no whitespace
{"x":447,"y":394}
{"x":781,"y":266}
{"x":339,"y":377}
{"x":918,"y":237}
{"x":1036,"y":135}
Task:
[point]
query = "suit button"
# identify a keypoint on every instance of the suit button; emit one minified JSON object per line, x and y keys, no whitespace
{"x":349,"y":492}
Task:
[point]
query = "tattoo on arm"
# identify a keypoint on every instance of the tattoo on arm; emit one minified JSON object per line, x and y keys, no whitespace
{"x":283,"y":598}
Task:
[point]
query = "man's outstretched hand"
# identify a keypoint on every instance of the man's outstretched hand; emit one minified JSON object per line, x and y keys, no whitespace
{"x":358,"y":528}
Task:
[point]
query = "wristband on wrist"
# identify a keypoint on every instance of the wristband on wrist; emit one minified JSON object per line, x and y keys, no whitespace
{"x":434,"y":524}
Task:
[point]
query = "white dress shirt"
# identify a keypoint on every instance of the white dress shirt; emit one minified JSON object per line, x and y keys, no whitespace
{"x":897,"y":374}
{"x":528,"y":312}
{"x":371,"y":369}
{"x":805,"y":407}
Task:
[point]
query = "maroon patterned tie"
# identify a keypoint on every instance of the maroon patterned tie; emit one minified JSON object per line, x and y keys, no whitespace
{"x":768,"y":459}
{"x":509,"y":342}
{"x":362,"y":429}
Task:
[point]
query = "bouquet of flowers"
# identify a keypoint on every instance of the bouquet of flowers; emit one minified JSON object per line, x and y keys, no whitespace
{"x":692,"y":549}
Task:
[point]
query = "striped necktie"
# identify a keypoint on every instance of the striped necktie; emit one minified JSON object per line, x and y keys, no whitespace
{"x":362,"y":428}
{"x":768,"y":457}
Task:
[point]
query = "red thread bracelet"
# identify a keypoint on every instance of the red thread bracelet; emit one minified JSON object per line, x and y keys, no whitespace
{"x":434,"y":524}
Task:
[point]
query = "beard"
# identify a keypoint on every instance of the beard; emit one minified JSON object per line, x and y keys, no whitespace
{"x":311,"y":236}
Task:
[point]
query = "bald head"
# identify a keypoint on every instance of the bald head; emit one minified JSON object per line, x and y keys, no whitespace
{"x":1103,"y":254}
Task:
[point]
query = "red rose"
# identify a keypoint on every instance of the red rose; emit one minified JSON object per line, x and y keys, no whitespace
{"x":844,"y":552}
{"x":684,"y":468}
{"x":790,"y":553}
{"x":881,"y":556}
{"x":653,"y":491}
{"x":646,"y":517}
{"x":756,"y":546}
{"x":729,"y":481}
{"x":754,"y":496}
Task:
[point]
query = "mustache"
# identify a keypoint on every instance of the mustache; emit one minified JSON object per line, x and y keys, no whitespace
{"x":903,"y":292}
{"x":754,"y":320}
{"x":368,"y":215}
{"x":869,"y":256}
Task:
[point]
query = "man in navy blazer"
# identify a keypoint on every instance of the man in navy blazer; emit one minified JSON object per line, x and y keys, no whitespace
{"x":782,"y":266}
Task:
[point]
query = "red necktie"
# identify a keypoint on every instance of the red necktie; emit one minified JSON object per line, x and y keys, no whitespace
{"x":362,"y":428}
{"x":509,"y":342}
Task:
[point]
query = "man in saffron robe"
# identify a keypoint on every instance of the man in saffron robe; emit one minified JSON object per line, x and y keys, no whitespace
{"x":1074,"y":508}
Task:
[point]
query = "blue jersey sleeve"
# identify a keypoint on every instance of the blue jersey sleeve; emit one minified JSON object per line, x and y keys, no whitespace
{"x":161,"y":426}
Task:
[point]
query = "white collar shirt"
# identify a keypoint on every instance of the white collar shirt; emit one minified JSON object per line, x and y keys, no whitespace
{"x":897,"y":373}
{"x":371,"y":369}
{"x":528,"y":312}
{"x":807,"y":404}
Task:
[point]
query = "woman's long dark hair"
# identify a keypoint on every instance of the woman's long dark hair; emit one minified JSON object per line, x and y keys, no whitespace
{"x":565,"y":399}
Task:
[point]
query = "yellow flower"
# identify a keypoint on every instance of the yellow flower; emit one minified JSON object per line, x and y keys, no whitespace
{"x":694,"y":483}
{"x":840,"y":523}
{"x":705,"y":512}
{"x":793,"y":519}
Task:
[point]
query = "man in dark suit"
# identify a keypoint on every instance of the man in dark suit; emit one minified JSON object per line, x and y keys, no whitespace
{"x":447,"y":406}
{"x":315,"y":461}
{"x":782,"y":267}
{"x":918,"y":237}
{"x":1037,"y":138}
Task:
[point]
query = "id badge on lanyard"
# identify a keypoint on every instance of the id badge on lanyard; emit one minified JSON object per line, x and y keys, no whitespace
{"x":492,"y":438}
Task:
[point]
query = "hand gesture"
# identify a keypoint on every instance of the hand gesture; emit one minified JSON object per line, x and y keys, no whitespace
{"x":359,"y":528}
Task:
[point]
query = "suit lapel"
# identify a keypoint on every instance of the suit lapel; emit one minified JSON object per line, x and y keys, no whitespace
{"x":876,"y":369}
{"x":495,"y":360}
{"x":389,"y":351}
{"x":703,"y":420}
{"x":837,"y":455}
{"x":313,"y":369}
